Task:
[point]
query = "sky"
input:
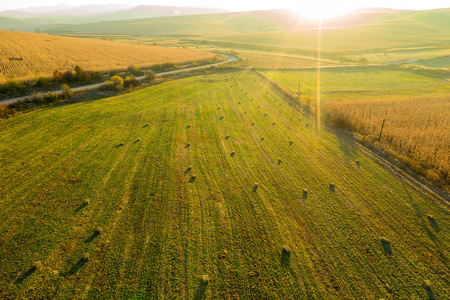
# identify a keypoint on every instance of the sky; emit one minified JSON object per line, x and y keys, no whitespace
{"x":324,"y":7}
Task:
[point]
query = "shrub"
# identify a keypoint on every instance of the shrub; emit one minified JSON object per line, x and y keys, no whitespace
{"x":133,"y":69}
{"x":150,"y":76}
{"x":67,"y":93}
{"x":67,"y":77}
{"x":57,"y":76}
{"x":113,"y":73}
{"x":41,"y":82}
{"x":78,"y":72}
{"x":116,"y":81}
{"x":97,"y":74}
{"x":12,"y":86}
{"x":131,"y":81}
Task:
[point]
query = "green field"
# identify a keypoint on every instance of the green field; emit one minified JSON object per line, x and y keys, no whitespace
{"x":162,"y":228}
{"x":361,"y":82}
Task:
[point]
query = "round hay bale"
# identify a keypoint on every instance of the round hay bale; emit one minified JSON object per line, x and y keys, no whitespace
{"x":36,"y":265}
{"x":205,"y":279}
{"x":85,"y":256}
{"x":87,"y":202}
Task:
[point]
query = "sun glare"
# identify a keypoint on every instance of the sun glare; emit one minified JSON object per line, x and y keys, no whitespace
{"x":318,"y":12}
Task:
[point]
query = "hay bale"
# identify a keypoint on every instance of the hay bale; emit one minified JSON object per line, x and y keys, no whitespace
{"x":233,"y":153}
{"x":306,"y":125}
{"x":255,"y":187}
{"x":218,"y":107}
{"x":227,"y":137}
{"x":122,"y":143}
{"x":87,"y":201}
{"x":427,"y":284}
{"x":332,"y":188}
{"x":253,"y":123}
{"x":291,"y":142}
{"x":36,"y":265}
{"x":85,"y":256}
{"x":431,"y":218}
{"x":138,"y":140}
{"x":245,"y":113}
{"x":305,"y":193}
{"x":262,"y":139}
{"x":286,"y":250}
{"x":205,"y":279}
{"x":357,"y":163}
{"x":98,"y":230}
{"x":273,"y":124}
{"x":239,"y":102}
{"x":265,"y":115}
{"x":279,"y":160}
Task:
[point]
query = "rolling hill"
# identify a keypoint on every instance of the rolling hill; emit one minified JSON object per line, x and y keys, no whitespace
{"x":211,"y":176}
{"x":23,"y":55}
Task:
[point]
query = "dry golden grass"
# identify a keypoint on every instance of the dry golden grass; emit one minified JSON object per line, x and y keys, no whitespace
{"x":416,"y":131}
{"x":23,"y":55}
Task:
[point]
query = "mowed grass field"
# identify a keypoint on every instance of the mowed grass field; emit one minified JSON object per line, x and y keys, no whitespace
{"x":360,"y":82}
{"x":164,"y":224}
{"x":25,"y":55}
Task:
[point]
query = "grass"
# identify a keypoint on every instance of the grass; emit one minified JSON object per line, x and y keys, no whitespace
{"x":161,"y":233}
{"x":363,"y":82}
{"x":26,"y":54}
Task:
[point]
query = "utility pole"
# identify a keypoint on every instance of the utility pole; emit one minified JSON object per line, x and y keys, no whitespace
{"x":381,"y":131}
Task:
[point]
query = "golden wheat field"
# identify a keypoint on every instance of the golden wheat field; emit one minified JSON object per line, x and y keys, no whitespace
{"x":416,"y":127}
{"x":23,"y":55}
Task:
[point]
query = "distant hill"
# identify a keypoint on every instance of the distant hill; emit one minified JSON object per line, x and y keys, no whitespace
{"x":63,"y":9}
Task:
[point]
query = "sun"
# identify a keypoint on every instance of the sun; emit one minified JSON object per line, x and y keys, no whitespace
{"x":319,"y":11}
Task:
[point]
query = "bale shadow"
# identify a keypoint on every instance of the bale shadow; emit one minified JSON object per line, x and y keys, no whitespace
{"x":189,"y":126}
{"x":262,"y":139}
{"x":233,"y":154}
{"x":25,"y":275}
{"x":255,"y":187}
{"x":285,"y":258}
{"x":187,"y":146}
{"x":76,"y":267}
{"x":430,"y":293}
{"x":387,"y":247}
{"x":221,"y":118}
{"x":80,"y":207}
{"x":200,"y":292}
{"x":433,"y":223}
{"x":146,"y":125}
{"x":119,"y":145}
{"x":192,"y":179}
{"x":279,"y":162}
{"x":187,"y":170}
{"x":91,"y":238}
{"x":227,"y":137}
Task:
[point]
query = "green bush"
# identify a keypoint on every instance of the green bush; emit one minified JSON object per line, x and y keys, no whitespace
{"x":150,"y":76}
{"x":12,"y":86}
{"x":41,"y":82}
